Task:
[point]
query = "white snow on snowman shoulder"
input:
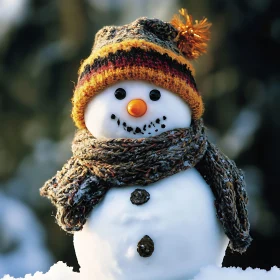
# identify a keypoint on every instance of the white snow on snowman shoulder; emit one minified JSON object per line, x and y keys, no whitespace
{"x":135,"y":109}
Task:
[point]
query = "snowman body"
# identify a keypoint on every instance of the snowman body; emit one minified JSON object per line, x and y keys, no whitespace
{"x":179,"y":217}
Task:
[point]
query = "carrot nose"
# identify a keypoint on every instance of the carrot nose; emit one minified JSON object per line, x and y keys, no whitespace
{"x":137,"y":108}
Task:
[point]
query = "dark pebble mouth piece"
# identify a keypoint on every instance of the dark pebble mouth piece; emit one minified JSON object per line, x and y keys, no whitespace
{"x":153,"y":126}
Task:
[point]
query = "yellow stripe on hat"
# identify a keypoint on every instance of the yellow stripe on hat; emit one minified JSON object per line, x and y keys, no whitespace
{"x":127,"y":45}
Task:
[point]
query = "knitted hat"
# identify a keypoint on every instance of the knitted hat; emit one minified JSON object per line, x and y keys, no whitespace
{"x":146,"y":49}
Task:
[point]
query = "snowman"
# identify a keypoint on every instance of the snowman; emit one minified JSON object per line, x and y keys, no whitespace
{"x":146,"y":194}
{"x":173,"y":213}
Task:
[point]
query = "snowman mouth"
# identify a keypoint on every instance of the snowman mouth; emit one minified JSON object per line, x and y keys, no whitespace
{"x":154,"y":126}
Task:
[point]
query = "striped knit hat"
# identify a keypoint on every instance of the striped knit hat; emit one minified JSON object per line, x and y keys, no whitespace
{"x":146,"y":49}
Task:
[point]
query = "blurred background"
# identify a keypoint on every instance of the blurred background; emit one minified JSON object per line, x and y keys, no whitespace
{"x":41,"y":46}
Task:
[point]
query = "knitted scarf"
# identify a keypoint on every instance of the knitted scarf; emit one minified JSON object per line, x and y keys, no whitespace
{"x":100,"y":164}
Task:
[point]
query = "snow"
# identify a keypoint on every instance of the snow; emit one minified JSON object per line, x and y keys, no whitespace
{"x":233,"y":273}
{"x":184,"y":242}
{"x":170,"y":110}
{"x":61,"y":271}
{"x":22,"y":247}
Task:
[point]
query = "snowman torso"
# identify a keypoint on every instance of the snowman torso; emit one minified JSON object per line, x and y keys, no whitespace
{"x":179,"y":217}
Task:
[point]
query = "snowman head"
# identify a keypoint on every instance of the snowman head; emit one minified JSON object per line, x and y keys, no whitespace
{"x":138,"y":80}
{"x":135,"y":109}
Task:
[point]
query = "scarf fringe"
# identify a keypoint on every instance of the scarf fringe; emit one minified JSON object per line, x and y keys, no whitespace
{"x":228,"y":186}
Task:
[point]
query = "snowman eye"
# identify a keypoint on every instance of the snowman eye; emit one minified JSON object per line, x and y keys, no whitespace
{"x":155,"y":95}
{"x":120,"y":93}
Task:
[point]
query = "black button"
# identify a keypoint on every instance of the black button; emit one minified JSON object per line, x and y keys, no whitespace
{"x":139,"y":197}
{"x":145,"y":247}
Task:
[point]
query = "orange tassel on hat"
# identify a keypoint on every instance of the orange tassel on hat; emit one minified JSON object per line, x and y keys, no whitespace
{"x":192,"y":36}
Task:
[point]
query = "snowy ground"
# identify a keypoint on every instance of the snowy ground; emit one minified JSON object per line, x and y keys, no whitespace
{"x":61,"y":271}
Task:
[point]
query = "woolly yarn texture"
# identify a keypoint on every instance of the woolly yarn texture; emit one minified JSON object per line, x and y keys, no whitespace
{"x":146,"y":49}
{"x":98,"y":165}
